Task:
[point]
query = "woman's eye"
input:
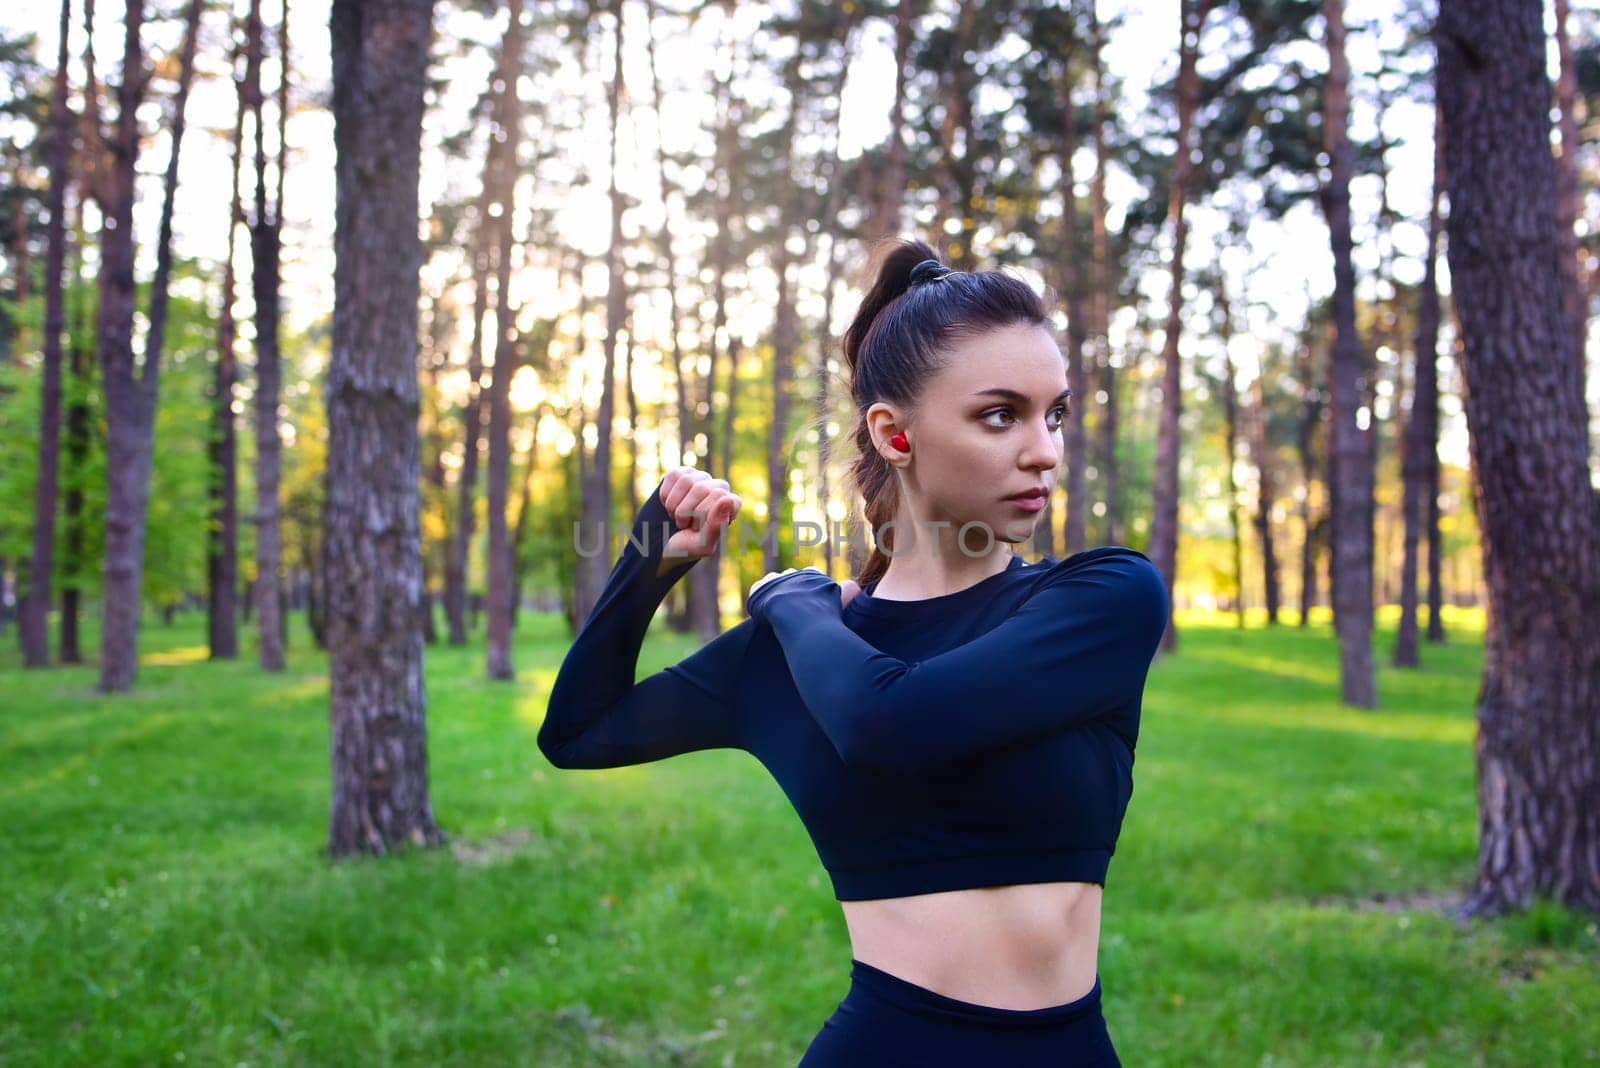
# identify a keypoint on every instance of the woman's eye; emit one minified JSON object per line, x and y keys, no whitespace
{"x":1059,"y":413}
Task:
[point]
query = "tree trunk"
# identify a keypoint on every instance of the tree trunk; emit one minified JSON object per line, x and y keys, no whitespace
{"x":1385,"y":336}
{"x":580,"y":416}
{"x":371,"y":536}
{"x":1350,"y":468}
{"x":127,"y":423}
{"x":1436,"y":539}
{"x":1569,"y":196}
{"x":951,"y":174}
{"x":265,"y":233}
{"x":825,"y":371}
{"x":130,"y":392}
{"x":595,"y":506}
{"x":72,"y":503}
{"x":1537,"y":748}
{"x":222,"y":557}
{"x":456,"y":572}
{"x":664,"y":254}
{"x":433,"y":469}
{"x":629,"y":354}
{"x":455,"y":569}
{"x":1163,"y":544}
{"x":82,"y":363}
{"x":783,"y":335}
{"x":725,"y":436}
{"x":508,"y":127}
{"x":1310,"y":418}
{"x":1266,"y":494}
{"x":1230,"y":424}
{"x":1103,"y":290}
{"x":704,"y":581}
{"x":1073,"y":535}
{"x":1419,"y":455}
{"x":885,"y":220}
{"x":519,"y":531}
{"x":36,"y":609}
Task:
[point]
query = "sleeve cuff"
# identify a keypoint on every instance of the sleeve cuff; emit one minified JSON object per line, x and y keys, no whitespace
{"x":652,"y":526}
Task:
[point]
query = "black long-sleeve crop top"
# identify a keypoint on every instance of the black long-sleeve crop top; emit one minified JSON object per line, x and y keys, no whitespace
{"x":981,"y":738}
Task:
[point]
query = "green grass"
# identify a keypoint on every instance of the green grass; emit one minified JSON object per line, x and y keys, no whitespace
{"x":1279,"y":894}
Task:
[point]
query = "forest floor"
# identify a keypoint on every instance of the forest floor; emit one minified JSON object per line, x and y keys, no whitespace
{"x":1280,"y":893}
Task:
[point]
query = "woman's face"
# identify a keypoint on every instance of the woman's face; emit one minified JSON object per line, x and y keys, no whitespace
{"x":988,"y":425}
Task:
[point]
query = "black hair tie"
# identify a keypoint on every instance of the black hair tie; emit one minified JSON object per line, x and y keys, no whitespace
{"x":928,"y":271}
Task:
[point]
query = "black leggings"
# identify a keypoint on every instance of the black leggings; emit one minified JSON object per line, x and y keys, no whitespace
{"x":885,"y":1021}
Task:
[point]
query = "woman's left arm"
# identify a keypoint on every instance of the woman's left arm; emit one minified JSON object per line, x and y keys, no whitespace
{"x":1077,"y":650}
{"x":597,"y":715}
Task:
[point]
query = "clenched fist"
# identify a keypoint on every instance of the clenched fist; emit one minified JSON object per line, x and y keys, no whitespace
{"x":703,"y":506}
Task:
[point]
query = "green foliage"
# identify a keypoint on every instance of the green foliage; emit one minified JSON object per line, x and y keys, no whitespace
{"x":179,"y":508}
{"x":175,"y":532}
{"x":305,"y":453}
{"x":20,"y":387}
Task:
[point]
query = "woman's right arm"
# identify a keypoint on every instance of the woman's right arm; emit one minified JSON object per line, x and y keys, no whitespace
{"x":598,"y":716}
{"x":1077,"y":650}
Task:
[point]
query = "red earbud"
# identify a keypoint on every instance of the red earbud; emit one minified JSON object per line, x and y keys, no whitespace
{"x":898,"y":440}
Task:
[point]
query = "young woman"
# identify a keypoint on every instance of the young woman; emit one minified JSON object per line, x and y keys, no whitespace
{"x":954,"y":727}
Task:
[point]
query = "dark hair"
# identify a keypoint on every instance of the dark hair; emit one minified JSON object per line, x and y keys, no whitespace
{"x":897,"y":342}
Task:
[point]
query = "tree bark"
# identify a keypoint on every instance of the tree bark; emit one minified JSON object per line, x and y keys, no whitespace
{"x":1310,"y":418}
{"x":892,"y":183}
{"x":519,"y":530}
{"x":265,"y":240}
{"x":1265,"y":496}
{"x":1103,"y":290}
{"x":222,"y":557}
{"x":1419,"y":455}
{"x":1230,"y":425}
{"x":783,"y":333}
{"x":130,"y":392}
{"x":1537,"y":749}
{"x":508,"y":129}
{"x":433,"y":461}
{"x":681,"y":386}
{"x":1074,"y":532}
{"x":595,"y":505}
{"x":952,"y":178}
{"x":1569,"y":195}
{"x":1349,"y":458}
{"x":371,"y":535}
{"x":825,"y":365}
{"x":72,"y":563}
{"x":36,"y":609}
{"x":456,"y":570}
{"x":87,"y":176}
{"x":127,"y":423}
{"x":1163,"y":544}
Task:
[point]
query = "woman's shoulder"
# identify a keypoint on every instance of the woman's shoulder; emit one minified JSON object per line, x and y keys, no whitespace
{"x":1123,"y":582}
{"x":1101,"y":558}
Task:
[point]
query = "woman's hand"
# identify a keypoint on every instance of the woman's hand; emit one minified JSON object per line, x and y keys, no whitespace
{"x":847,"y":590}
{"x":703,"y":506}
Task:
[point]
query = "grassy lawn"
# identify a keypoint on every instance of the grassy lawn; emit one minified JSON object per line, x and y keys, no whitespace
{"x":1278,"y":896}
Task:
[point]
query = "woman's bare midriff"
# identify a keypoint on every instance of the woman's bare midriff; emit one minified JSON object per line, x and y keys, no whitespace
{"x":1025,"y":946}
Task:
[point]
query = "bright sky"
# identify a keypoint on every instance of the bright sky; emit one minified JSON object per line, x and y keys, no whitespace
{"x":1284,"y":259}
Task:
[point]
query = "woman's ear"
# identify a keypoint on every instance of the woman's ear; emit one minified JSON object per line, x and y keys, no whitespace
{"x":883,"y":421}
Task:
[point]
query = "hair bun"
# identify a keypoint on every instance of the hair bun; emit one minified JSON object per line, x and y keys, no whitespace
{"x":927,"y":271}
